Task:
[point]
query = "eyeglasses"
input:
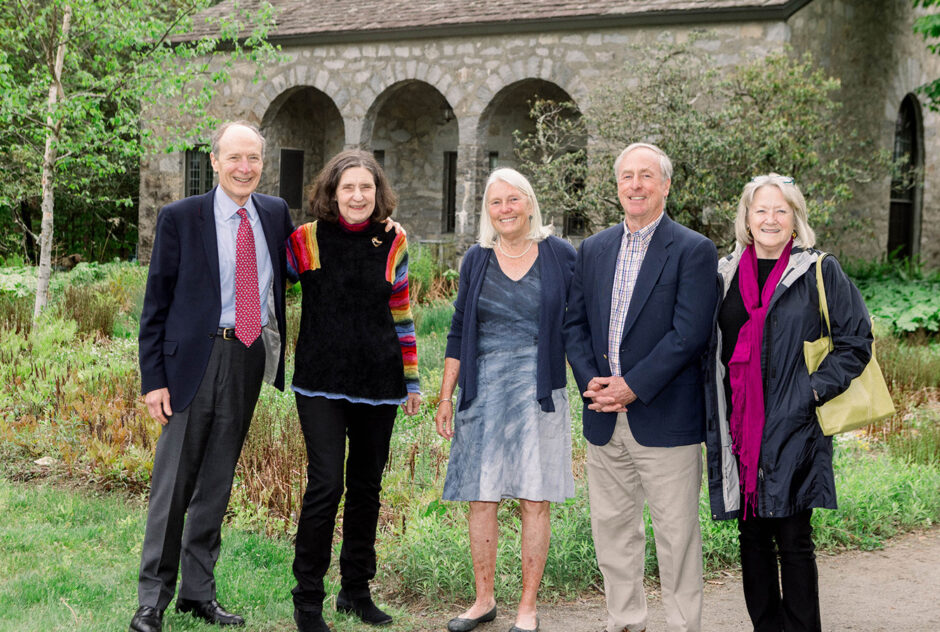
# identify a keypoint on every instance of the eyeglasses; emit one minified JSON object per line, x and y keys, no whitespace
{"x":783,"y":179}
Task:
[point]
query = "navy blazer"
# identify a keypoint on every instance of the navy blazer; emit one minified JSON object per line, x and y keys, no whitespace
{"x":556,"y":265}
{"x":665,"y":335}
{"x":183,"y":300}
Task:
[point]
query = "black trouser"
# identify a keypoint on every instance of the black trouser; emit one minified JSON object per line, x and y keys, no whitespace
{"x":798,"y":608}
{"x":192,"y":476}
{"x":326,"y":423}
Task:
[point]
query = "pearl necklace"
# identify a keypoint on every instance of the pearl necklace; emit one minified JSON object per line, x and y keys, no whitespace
{"x":499,"y":244}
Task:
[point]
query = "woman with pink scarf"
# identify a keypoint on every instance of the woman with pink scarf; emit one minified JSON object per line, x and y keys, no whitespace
{"x":769,"y":464}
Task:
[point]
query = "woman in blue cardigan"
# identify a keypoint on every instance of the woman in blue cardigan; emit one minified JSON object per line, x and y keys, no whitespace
{"x":511,"y":435}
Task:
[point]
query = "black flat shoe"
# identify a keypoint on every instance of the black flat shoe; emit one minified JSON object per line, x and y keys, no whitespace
{"x":209,"y":611}
{"x":147,"y":619}
{"x":461,"y":624}
{"x":514,"y":628}
{"x":364,"y":608}
{"x":310,"y":621}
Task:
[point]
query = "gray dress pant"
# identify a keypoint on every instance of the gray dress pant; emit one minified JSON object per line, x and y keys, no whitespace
{"x":192,"y":476}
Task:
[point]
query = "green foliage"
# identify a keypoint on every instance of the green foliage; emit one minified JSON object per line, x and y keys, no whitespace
{"x":555,"y":157}
{"x":121,"y":54}
{"x":929,"y":26}
{"x":428,"y":279}
{"x":879,"y":497}
{"x":899,"y":293}
{"x":433,"y":317}
{"x":16,"y":313}
{"x":75,"y":76}
{"x":93,"y":310}
{"x":918,"y":439}
{"x":74,"y":397}
{"x":772,"y":114}
{"x":906,"y":307}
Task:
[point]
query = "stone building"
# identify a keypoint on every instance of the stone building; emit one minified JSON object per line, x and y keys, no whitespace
{"x":436,"y":88}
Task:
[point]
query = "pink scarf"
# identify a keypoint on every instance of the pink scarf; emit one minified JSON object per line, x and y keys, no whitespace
{"x":747,"y":386}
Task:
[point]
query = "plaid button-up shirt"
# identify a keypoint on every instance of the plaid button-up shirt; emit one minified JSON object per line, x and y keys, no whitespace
{"x":633,"y":247}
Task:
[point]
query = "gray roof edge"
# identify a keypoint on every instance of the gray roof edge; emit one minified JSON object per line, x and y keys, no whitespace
{"x":541,"y":25}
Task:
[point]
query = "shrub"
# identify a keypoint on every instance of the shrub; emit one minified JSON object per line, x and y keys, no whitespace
{"x":94,"y":310}
{"x":775,"y":113}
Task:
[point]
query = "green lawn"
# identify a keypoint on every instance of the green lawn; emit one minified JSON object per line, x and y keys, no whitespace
{"x":68,"y":561}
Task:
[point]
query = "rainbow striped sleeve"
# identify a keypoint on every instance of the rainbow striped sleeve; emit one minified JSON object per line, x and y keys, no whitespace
{"x":303,"y":253}
{"x":396,"y":272}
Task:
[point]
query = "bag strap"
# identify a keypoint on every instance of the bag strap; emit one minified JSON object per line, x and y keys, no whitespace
{"x":823,"y":303}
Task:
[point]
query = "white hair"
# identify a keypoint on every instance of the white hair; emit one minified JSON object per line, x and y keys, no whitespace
{"x":792,"y":195}
{"x":513,"y":178}
{"x":665,"y":165}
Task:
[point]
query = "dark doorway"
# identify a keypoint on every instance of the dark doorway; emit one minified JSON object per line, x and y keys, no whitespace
{"x":904,"y":217}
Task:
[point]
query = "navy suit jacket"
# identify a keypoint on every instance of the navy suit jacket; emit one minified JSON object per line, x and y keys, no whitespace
{"x":665,"y":335}
{"x":183,"y":300}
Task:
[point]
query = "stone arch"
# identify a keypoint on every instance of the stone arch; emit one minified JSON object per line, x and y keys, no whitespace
{"x":304,"y":129}
{"x":507,"y":113}
{"x":412,"y":128}
{"x":905,"y":215}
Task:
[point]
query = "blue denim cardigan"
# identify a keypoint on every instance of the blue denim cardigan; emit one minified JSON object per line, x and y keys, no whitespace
{"x":556,"y":266}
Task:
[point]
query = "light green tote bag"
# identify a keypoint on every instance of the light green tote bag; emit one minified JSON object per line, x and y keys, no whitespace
{"x":867,"y":399}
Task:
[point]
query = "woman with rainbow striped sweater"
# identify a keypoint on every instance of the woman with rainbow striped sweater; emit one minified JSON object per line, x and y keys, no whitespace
{"x":356,"y":362}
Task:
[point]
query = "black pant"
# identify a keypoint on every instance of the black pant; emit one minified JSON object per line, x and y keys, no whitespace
{"x":326,"y":423}
{"x":798,"y":608}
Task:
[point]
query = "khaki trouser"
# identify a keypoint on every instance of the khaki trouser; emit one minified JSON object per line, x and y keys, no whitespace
{"x":621,"y":475}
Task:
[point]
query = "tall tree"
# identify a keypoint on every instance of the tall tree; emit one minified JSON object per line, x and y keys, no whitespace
{"x":721,"y":129}
{"x":929,"y":26}
{"x":75,"y":74}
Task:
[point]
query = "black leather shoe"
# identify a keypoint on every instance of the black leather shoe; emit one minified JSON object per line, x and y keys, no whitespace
{"x":147,"y":619}
{"x":209,"y":611}
{"x":461,"y":624}
{"x":363,"y":607}
{"x":310,"y":621}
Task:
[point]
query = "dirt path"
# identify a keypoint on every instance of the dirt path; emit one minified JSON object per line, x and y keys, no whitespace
{"x":896,"y":589}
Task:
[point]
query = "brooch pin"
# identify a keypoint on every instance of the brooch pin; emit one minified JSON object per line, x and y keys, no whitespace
{"x":376,"y":242}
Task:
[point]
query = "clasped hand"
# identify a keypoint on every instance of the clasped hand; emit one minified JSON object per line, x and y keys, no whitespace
{"x":609,"y":394}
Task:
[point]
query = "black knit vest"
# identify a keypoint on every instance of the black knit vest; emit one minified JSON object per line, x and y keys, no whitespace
{"x":347,"y":343}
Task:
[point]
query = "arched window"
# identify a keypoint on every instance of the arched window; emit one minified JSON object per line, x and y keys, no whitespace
{"x":906,"y":187}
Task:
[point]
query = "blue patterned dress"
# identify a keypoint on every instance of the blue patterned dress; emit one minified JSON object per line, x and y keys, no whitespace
{"x":504,"y":445}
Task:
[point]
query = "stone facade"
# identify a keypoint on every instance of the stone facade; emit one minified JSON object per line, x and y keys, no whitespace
{"x":423,"y":98}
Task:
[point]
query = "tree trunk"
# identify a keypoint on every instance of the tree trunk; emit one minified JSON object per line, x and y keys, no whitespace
{"x":48,"y":170}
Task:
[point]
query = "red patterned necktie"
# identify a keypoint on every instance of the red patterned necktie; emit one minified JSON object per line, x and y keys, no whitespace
{"x":247,"y":310}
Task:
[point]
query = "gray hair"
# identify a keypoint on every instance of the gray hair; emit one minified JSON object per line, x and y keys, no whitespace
{"x":805,"y":236}
{"x":665,"y":164}
{"x":513,"y":178}
{"x":221,"y":129}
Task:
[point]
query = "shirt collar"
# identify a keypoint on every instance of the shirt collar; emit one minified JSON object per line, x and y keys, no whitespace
{"x":644,"y":234}
{"x":226,"y":209}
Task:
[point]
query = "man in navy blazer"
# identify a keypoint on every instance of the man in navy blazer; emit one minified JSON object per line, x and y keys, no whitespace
{"x":201,"y":377}
{"x":640,"y":310}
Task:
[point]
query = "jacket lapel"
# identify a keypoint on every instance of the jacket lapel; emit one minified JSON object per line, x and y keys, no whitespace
{"x":605,"y":265}
{"x":209,"y":240}
{"x":264,"y":214}
{"x":656,"y":256}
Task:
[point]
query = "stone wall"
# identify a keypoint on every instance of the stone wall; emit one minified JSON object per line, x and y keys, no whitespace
{"x":416,"y":99}
{"x":871,"y":48}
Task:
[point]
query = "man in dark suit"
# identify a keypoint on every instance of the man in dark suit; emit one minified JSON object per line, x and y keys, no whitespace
{"x":639,"y":317}
{"x":212,"y":329}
